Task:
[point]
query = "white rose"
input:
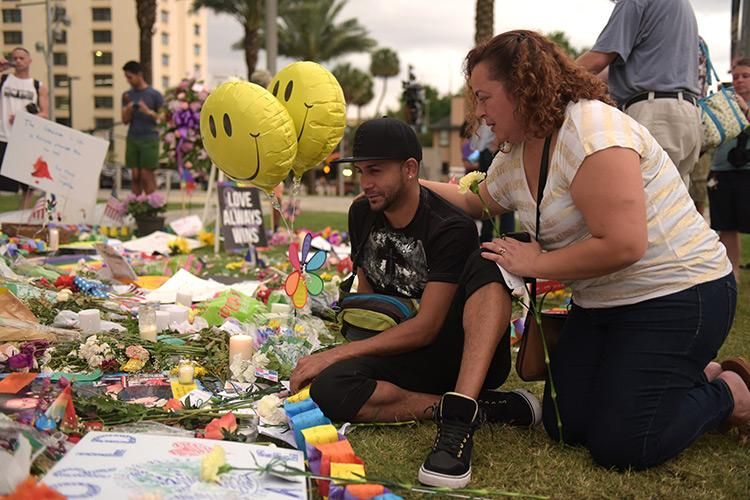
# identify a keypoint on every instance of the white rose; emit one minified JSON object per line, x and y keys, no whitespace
{"x":269,"y":409}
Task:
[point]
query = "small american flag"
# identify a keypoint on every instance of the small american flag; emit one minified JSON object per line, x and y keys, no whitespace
{"x":39,"y":210}
{"x":114,"y":209}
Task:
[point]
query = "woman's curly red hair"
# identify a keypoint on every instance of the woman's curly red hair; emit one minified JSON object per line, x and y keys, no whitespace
{"x":538,"y":74}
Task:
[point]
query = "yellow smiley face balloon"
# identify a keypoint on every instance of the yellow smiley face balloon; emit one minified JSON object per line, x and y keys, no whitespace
{"x":315,"y":101}
{"x":248,"y":134}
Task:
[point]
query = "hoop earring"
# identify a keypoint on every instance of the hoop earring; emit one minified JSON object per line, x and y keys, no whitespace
{"x":505,"y":147}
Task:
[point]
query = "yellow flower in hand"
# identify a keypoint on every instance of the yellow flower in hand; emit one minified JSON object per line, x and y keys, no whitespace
{"x":212,"y":463}
{"x":470,"y":182}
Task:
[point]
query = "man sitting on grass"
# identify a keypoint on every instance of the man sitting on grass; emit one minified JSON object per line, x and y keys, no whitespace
{"x":409,"y":242}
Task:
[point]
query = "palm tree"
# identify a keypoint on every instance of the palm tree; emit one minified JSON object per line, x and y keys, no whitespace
{"x":145,"y":14}
{"x":384,"y":64}
{"x":249,"y":13}
{"x":309,"y":31}
{"x":364,"y":97}
{"x":562,"y":41}
{"x":484,"y":21}
{"x":352,"y":80}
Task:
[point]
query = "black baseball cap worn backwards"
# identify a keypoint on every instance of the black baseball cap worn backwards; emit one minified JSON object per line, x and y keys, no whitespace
{"x":384,"y":139}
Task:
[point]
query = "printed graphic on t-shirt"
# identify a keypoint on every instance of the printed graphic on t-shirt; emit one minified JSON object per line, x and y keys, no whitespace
{"x":395,"y":262}
{"x":26,"y":95}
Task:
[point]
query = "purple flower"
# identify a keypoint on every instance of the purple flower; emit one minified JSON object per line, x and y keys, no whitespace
{"x":130,"y":197}
{"x":195,"y":106}
{"x":21,"y":361}
{"x":169,"y":138}
{"x":156,"y":199}
{"x":141,"y":198}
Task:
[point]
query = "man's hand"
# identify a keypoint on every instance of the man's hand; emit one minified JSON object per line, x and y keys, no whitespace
{"x":4,"y":63}
{"x":310,"y":367}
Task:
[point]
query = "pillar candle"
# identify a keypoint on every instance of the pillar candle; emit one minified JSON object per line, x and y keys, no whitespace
{"x":162,"y":320}
{"x":242,"y":345}
{"x":54,"y":239}
{"x":184,"y":299}
{"x":90,"y":321}
{"x":178,"y":314}
{"x":148,"y":332}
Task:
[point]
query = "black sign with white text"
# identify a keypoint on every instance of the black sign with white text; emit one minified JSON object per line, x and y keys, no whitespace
{"x":241,"y":217}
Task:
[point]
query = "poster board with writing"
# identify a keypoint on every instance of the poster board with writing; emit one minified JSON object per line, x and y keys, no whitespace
{"x":115,"y":466}
{"x":56,"y":159}
{"x":119,"y":266}
{"x":241,"y":217}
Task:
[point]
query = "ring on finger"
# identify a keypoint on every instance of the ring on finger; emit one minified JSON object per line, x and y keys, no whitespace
{"x":502,"y":251}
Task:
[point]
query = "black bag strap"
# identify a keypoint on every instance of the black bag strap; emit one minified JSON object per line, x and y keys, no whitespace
{"x":543,"y":171}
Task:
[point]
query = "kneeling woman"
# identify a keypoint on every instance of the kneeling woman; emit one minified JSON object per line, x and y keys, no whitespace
{"x":653,"y":291}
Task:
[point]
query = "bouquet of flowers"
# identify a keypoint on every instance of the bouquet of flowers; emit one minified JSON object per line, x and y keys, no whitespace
{"x":145,"y":205}
{"x":181,"y":140}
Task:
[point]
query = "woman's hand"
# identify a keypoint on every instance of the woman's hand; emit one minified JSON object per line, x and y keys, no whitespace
{"x":514,"y":256}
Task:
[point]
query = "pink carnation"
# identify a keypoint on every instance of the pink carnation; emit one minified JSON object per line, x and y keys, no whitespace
{"x":156,"y":199}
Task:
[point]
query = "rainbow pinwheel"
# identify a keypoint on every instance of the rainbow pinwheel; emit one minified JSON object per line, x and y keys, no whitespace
{"x":302,"y":280}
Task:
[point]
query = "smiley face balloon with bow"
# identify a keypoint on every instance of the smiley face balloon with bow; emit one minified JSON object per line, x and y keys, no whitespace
{"x":248,"y":134}
{"x":315,"y":101}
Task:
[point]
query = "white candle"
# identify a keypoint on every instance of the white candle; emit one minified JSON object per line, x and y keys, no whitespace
{"x":185,"y":373}
{"x":178,"y":314}
{"x":90,"y":321}
{"x":148,"y":332}
{"x":54,"y":239}
{"x":184,"y":299}
{"x":162,"y":320}
{"x":242,"y":345}
{"x":279,"y":308}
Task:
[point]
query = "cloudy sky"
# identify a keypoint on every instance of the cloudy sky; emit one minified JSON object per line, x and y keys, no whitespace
{"x":434,"y":35}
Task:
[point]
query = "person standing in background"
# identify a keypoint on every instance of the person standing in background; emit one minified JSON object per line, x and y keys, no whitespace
{"x":18,"y":92}
{"x":140,"y":110}
{"x":650,"y":49}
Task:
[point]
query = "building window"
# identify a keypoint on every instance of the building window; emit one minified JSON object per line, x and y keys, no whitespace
{"x":197,"y":29}
{"x":60,"y":36}
{"x":102,"y":58}
{"x":101,"y":14}
{"x":164,"y":82}
{"x":165,"y":60}
{"x":103,"y":102}
{"x":102,"y":36}
{"x":61,"y":81}
{"x":60,"y":58}
{"x":165,"y":38}
{"x":103,"y":80}
{"x":62,"y":102}
{"x":11,"y":15}
{"x":197,"y":71}
{"x":13,"y":37}
{"x":197,"y":49}
{"x":164,"y":16}
{"x":63,"y":120}
{"x":444,"y":139}
{"x":103,"y":123}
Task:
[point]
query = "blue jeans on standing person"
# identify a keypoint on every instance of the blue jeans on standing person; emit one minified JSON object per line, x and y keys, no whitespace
{"x":629,"y":379}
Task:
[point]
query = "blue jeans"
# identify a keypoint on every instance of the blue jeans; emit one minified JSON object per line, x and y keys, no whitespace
{"x":630,"y":379}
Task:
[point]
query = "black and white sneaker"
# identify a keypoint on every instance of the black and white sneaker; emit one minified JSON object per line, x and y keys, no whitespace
{"x":518,"y":407}
{"x":449,"y":463}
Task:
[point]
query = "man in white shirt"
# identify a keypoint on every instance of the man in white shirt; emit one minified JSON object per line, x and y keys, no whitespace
{"x":18,"y":92}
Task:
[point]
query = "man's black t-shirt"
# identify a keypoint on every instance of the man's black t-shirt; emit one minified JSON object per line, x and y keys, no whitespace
{"x":434,"y":246}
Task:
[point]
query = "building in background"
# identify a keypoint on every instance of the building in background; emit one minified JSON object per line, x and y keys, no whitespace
{"x":97,"y":39}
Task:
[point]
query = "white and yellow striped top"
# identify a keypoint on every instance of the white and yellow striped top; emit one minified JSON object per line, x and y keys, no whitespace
{"x":682,"y":250}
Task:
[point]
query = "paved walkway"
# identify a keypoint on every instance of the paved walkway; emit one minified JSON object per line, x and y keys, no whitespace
{"x":337,"y":204}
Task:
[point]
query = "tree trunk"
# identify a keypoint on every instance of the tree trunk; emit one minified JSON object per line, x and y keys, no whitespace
{"x":146,"y":17}
{"x":382,"y":96}
{"x":252,"y":45}
{"x":484,"y":21}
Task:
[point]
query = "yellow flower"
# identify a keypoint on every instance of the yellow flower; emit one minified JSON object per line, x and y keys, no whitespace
{"x":274,"y":324}
{"x":133,"y":365}
{"x":206,"y":237}
{"x":178,"y":245}
{"x":199,"y":371}
{"x":470,"y":182}
{"x":211,"y":464}
{"x":233,"y":266}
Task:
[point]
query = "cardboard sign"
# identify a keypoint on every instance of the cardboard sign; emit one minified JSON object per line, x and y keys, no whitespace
{"x":56,"y":159}
{"x":115,"y":466}
{"x":241,"y":217}
{"x":188,"y":226}
{"x":118,"y":266}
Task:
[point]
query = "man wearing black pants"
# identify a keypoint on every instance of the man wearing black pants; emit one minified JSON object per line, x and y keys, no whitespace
{"x":409,"y":242}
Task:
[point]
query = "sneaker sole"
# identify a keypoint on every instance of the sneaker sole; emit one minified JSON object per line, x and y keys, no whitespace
{"x":533,"y":402}
{"x":431,"y":478}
